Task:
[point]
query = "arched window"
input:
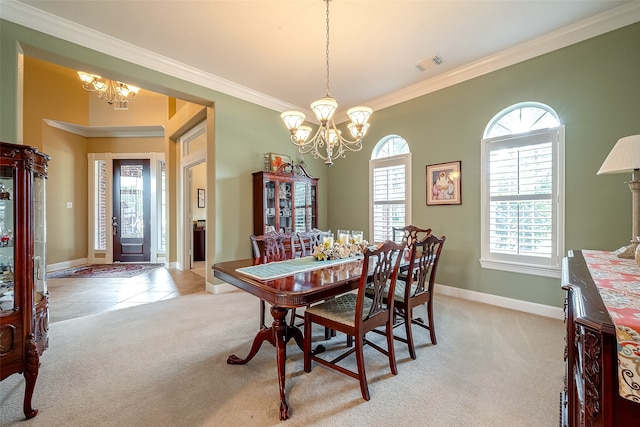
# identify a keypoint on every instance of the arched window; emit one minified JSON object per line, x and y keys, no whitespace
{"x":389,"y":146}
{"x":522,"y":190}
{"x":389,"y":187}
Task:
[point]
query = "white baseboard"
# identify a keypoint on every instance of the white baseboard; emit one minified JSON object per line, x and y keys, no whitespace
{"x":67,"y":264}
{"x":220,"y":288}
{"x":513,"y":304}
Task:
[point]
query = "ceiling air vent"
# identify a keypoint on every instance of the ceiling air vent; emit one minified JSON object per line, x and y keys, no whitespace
{"x":429,"y":62}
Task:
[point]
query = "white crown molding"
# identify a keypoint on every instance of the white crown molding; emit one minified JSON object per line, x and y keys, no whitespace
{"x":108,"y":131}
{"x":580,"y":31}
{"x":36,"y":19}
{"x":45,"y":22}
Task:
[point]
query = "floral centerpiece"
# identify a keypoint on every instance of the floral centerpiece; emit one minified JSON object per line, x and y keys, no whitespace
{"x":329,"y":250}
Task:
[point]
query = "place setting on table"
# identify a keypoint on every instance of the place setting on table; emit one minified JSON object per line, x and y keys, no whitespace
{"x":347,"y":248}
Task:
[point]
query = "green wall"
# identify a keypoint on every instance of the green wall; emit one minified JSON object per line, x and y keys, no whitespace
{"x":594,"y":86}
{"x":243,"y":132}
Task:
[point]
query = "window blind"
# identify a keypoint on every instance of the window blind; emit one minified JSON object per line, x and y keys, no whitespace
{"x":521,"y":199}
{"x":389,"y":199}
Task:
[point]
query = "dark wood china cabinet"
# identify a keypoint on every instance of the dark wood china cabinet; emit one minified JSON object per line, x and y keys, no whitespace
{"x":24,"y":299}
{"x":285,"y":200}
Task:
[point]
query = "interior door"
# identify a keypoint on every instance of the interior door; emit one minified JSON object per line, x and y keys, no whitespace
{"x":131,"y":219}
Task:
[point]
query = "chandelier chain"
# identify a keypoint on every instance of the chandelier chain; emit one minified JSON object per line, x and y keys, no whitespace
{"x":327,"y":143}
{"x":327,"y":49}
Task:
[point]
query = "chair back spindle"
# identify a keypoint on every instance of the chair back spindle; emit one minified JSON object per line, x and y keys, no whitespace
{"x":409,"y":233}
{"x":424,"y":263}
{"x":384,"y":276}
{"x":303,"y":243}
{"x":270,"y":247}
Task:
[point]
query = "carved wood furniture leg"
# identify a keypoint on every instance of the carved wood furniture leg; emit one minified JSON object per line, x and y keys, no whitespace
{"x":295,"y":333}
{"x":281,"y":330}
{"x":262,"y":336}
{"x":30,"y":376}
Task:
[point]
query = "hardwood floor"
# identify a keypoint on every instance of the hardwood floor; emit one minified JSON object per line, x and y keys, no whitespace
{"x":72,"y":298}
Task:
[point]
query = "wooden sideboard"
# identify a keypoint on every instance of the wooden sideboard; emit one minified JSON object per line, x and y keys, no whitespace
{"x":590,"y":396}
{"x":199,"y":242}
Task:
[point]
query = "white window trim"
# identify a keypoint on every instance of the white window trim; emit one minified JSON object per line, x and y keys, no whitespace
{"x":401,"y":159}
{"x":520,"y":265}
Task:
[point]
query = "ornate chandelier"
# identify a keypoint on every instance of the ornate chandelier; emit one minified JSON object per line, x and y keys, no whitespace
{"x":112,"y":91}
{"x":327,"y":135}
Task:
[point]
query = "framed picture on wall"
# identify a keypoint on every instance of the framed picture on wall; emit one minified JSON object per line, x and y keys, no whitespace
{"x":444,"y":185}
{"x":201,"y":197}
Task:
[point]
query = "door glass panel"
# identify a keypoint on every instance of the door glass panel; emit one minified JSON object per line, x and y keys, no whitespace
{"x":7,"y":227}
{"x":131,"y":201}
{"x":100,"y":194}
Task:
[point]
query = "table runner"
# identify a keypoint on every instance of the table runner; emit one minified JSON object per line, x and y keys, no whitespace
{"x":273,"y":270}
{"x":618,"y":281}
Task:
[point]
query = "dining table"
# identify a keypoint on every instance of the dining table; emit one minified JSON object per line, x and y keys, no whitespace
{"x":285,"y":285}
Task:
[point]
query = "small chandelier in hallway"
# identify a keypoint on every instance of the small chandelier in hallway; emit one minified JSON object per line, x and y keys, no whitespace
{"x":114,"y":92}
{"x":327,"y":136}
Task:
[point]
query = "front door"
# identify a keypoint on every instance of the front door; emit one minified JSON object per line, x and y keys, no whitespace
{"x":131,"y":210}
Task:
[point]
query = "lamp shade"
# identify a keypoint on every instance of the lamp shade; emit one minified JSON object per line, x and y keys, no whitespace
{"x":624,"y":157}
{"x":324,"y":108}
{"x":359,"y":115}
{"x":292,"y":119}
{"x":302,"y":134}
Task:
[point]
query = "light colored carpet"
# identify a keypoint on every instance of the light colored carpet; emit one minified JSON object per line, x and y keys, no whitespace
{"x":164,"y":364}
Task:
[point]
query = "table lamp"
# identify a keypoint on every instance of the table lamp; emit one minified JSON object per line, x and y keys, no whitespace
{"x":625,"y":157}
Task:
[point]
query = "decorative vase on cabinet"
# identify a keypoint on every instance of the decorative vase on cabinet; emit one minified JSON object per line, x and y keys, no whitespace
{"x":24,"y":299}
{"x":284,"y":200}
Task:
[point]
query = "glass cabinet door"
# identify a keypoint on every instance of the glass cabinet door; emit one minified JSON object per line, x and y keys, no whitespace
{"x":270,"y":206}
{"x":302,"y":199}
{"x":284,"y":193}
{"x":7,"y":227}
{"x":313,"y":206}
{"x":39,"y":241}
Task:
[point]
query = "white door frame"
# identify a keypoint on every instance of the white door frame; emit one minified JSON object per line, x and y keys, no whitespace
{"x":185,"y":222}
{"x":108,"y":158}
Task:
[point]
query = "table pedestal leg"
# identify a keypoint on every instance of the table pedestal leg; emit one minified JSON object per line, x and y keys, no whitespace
{"x":280,"y":332}
{"x":278,"y":335}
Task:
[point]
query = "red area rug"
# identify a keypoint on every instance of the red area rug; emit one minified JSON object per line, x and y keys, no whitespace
{"x":104,"y":271}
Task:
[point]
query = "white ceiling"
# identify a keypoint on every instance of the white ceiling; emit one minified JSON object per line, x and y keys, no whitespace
{"x":276,"y":48}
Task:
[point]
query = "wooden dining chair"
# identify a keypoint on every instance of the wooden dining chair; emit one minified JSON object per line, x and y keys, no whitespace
{"x":417,"y":290}
{"x":355,"y":315}
{"x":410,"y":233}
{"x":303,"y":244}
{"x":270,"y":247}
